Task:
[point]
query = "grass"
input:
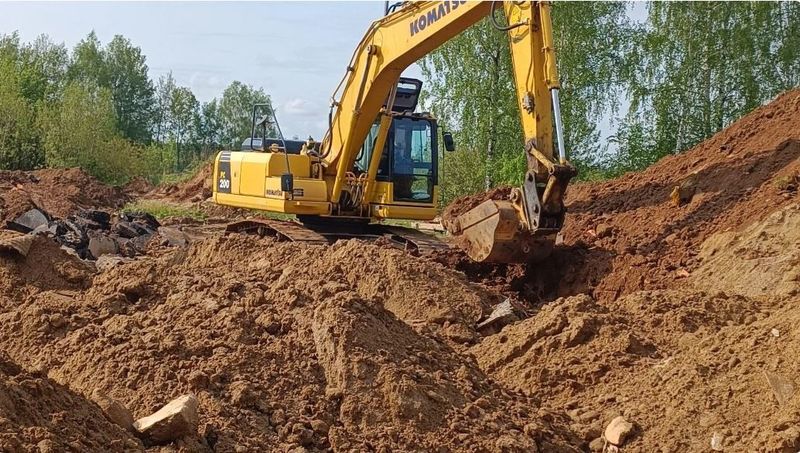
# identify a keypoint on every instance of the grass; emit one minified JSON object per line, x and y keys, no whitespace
{"x":271,"y":215}
{"x":162,"y":209}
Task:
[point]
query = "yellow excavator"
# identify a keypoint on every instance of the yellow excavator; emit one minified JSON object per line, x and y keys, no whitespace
{"x":379,"y":159}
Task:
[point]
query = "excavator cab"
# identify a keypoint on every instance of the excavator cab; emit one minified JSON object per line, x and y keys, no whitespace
{"x":409,"y":158}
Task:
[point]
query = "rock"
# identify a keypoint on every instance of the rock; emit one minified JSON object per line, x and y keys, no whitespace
{"x":502,"y":315}
{"x":29,"y":221}
{"x":173,"y":236}
{"x":603,"y":230}
{"x":782,"y":387}
{"x":100,"y":244}
{"x":16,"y":242}
{"x":102,"y":218}
{"x":618,"y":431}
{"x":177,"y":419}
{"x":106,"y":262}
{"x":597,"y":445}
{"x":716,"y":441}
{"x":114,"y":411}
{"x":685,"y":190}
{"x":775,"y":332}
{"x":126,"y":229}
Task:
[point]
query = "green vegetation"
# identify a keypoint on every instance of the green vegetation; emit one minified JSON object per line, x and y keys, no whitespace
{"x":162,"y":209}
{"x":96,"y":107}
{"x":688,"y":71}
{"x":631,"y":94}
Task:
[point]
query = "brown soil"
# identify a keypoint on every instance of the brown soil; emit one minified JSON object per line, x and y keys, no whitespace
{"x":195,"y":189}
{"x":680,"y":318}
{"x":286,"y":345}
{"x":58,"y":192}
{"x":738,"y":176}
{"x":37,"y":414}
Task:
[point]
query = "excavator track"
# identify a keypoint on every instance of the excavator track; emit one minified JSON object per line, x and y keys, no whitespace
{"x":412,"y":241}
{"x":282,"y":230}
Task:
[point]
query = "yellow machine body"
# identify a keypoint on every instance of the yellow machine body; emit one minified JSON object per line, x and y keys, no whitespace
{"x":358,"y":172}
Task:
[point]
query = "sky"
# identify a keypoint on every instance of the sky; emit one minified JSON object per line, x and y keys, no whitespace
{"x":296,"y":51}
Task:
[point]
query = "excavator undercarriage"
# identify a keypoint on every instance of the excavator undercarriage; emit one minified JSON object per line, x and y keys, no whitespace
{"x":313,"y":231}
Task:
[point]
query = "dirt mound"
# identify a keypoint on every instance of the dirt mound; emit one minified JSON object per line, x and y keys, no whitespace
{"x":761,"y":259}
{"x":195,"y":189}
{"x":137,"y":187}
{"x":626,"y":234}
{"x":36,"y":414}
{"x":58,"y":192}
{"x":661,"y":358}
{"x":46,"y":267}
{"x":734,"y":176}
{"x":265,"y":334}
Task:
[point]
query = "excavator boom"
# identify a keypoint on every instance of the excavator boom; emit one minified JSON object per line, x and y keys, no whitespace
{"x":353,"y":174}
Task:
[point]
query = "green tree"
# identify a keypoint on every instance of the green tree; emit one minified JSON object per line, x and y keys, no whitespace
{"x":209,"y":127}
{"x":702,"y":66}
{"x":470,"y":88}
{"x":81,"y":132}
{"x":236,"y":112}
{"x":122,"y":69}
{"x":163,"y":100}
{"x":183,"y":111}
{"x":131,"y":89}
{"x":19,"y":141}
{"x":87,"y":64}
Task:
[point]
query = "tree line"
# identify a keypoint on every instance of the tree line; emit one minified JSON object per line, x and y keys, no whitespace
{"x":632,"y":92}
{"x":95,"y":106}
{"x":659,"y":86}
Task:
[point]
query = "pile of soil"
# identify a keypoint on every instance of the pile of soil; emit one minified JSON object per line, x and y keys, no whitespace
{"x":59,"y":192}
{"x":37,"y":414}
{"x":719,"y":351}
{"x":681,"y":365}
{"x":286,"y":346}
{"x":195,"y":189}
{"x":626,"y":234}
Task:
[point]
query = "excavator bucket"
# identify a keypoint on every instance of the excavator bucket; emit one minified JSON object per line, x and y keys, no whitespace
{"x":494,"y":232}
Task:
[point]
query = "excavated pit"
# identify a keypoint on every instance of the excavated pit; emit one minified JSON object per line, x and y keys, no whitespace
{"x":682,"y":319}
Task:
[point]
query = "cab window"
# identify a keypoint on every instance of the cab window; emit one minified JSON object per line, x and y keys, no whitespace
{"x":413,"y":160}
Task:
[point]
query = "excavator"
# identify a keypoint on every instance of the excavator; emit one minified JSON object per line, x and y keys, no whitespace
{"x":379,"y":158}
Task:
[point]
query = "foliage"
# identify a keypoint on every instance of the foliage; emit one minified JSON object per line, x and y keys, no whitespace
{"x":19,"y":144}
{"x":236,"y":110}
{"x":631,"y":93}
{"x":702,"y":65}
{"x":161,"y":209}
{"x":470,"y":87}
{"x":131,"y":89}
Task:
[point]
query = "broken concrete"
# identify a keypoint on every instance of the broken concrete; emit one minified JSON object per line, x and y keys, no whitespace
{"x":178,"y":419}
{"x":618,"y":431}
{"x":29,"y":221}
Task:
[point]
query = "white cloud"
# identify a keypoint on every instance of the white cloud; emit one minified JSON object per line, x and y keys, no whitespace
{"x":301,"y":107}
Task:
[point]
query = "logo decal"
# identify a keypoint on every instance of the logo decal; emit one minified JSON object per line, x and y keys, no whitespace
{"x":437,"y":12}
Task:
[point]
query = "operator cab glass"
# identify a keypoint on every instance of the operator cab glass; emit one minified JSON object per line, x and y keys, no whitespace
{"x":409,"y":158}
{"x":413,"y":159}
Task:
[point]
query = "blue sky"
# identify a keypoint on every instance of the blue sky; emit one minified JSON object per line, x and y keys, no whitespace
{"x":296,"y":51}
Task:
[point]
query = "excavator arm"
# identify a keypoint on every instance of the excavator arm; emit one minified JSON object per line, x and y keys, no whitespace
{"x":518,"y":229}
